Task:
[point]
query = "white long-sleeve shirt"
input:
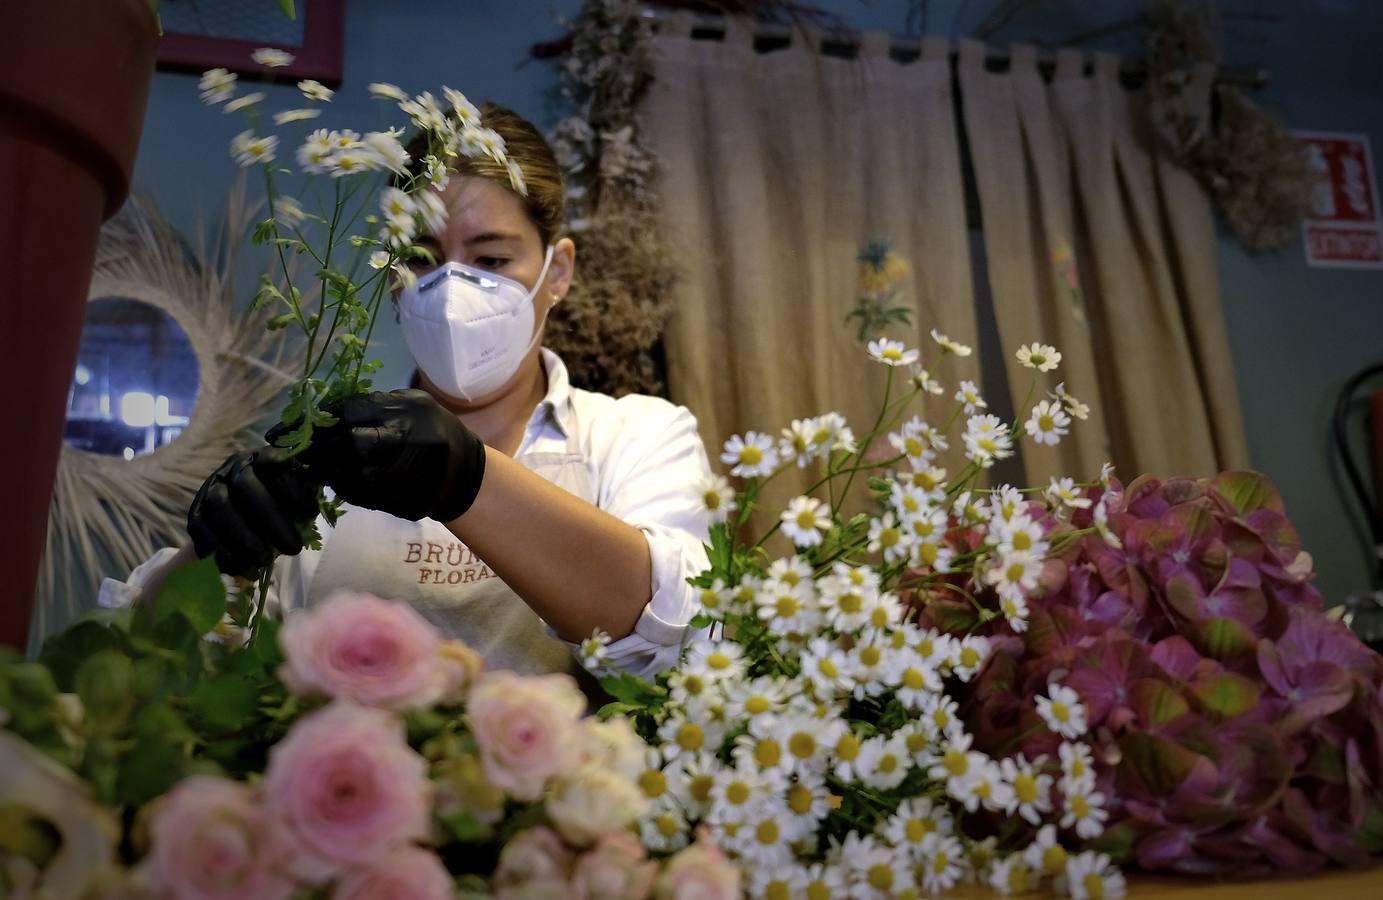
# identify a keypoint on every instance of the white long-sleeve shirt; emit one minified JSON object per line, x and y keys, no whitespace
{"x":639,"y":458}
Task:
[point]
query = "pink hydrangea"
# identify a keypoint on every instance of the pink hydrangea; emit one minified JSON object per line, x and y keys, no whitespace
{"x":527,"y":729}
{"x":347,"y":789}
{"x":360,"y":648}
{"x":212,"y":841}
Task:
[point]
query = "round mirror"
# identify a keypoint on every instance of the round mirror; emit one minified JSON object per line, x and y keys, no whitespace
{"x":136,"y":380}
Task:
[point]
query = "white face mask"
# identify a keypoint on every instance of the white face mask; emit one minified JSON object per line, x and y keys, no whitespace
{"x":469,"y":329}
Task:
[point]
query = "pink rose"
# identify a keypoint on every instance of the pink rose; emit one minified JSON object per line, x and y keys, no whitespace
{"x":534,"y":855}
{"x":615,"y":869}
{"x":698,"y":872}
{"x":408,"y":873}
{"x":361,"y":648}
{"x":347,"y":789}
{"x":211,"y":841}
{"x":527,"y":729}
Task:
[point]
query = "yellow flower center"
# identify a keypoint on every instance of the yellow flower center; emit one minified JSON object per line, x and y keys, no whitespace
{"x":1018,"y":879}
{"x":871,"y":656}
{"x":1022,"y":541}
{"x":710,"y":599}
{"x":913,"y":679}
{"x":1094,"y":885}
{"x":941,"y":862}
{"x":653,"y":783}
{"x":923,"y":528}
{"x":969,"y":657}
{"x":777,"y":890}
{"x":827,"y":668}
{"x":767,"y":832}
{"x":1025,"y":786}
{"x":1045,"y":423}
{"x":786,"y":606}
{"x":700,"y":788}
{"x":878,"y":617}
{"x":767,"y":753}
{"x":737,"y":793}
{"x":818,"y":890}
{"x":757,"y":705}
{"x":941,"y":717}
{"x":821,"y":436}
{"x":915,"y":830}
{"x":719,"y":661}
{"x":850,"y":603}
{"x":694,"y":684}
{"x":983,"y":789}
{"x":1061,"y":712}
{"x":1054,"y":860}
{"x":880,"y":876}
{"x":927,"y":553}
{"x":799,"y":799}
{"x":913,"y":447}
{"x":924,"y":480}
{"x":751,"y":455}
{"x":712,"y":500}
{"x":910,"y":503}
{"x":792,"y":578}
{"x":1078,"y":768}
{"x":1080,"y":806}
{"x":889,"y":537}
{"x":892,"y":353}
{"x":916,"y":742}
{"x":806,"y":519}
{"x":888,"y":763}
{"x":925,"y":648}
{"x":690,"y":736}
{"x":802,"y":746}
{"x":955,"y":763}
{"x":667,"y":825}
{"x":848,"y":747}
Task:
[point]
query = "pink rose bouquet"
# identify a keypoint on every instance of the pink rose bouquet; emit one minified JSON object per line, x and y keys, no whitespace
{"x":526,"y":729}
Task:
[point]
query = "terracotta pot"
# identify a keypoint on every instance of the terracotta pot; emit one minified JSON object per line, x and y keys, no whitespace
{"x":74,"y":80}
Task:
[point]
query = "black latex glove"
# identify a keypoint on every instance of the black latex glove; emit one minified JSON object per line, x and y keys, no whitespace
{"x":250,"y":507}
{"x":400,"y":453}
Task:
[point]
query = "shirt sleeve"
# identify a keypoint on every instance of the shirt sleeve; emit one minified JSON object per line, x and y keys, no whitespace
{"x":650,"y":469}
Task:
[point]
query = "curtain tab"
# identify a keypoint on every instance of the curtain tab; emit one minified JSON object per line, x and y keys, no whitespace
{"x":1107,"y":66}
{"x":876,"y":44}
{"x":678,"y":24}
{"x":973,"y":53}
{"x":739,"y":32}
{"x":936,"y":48}
{"x":1070,"y":63}
{"x":1023,"y":58}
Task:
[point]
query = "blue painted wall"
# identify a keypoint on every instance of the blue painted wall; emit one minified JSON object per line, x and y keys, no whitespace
{"x":1296,"y":333}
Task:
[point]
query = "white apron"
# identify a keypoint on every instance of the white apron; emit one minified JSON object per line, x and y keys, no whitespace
{"x":423,"y":564}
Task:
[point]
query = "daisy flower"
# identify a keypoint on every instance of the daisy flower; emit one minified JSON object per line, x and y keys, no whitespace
{"x":808,"y":802}
{"x":243,"y":102}
{"x":755,"y":701}
{"x":956,"y":762}
{"x":808,"y":740}
{"x":1101,"y":520}
{"x":1086,"y":813}
{"x":891,"y":353}
{"x":845,"y":604}
{"x":924,"y":382}
{"x":986,"y":440}
{"x":1062,"y":711}
{"x":695,"y":784}
{"x":876,"y":871}
{"x":933,"y":646}
{"x":1073,"y":406}
{"x":939,"y":716}
{"x":436,"y":173}
{"x":778,"y":882}
{"x":1005,"y":502}
{"x":845,"y":755}
{"x":1014,"y":574}
{"x":825,"y":881}
{"x":1106,"y":474}
{"x":940,"y":864}
{"x":984,"y":785}
{"x":805,"y":520}
{"x":1048,"y":423}
{"x":271,"y":58}
{"x":948,"y":345}
{"x":913,"y":678}
{"x":681,"y":734}
{"x":689,"y":686}
{"x":790,"y":570}
{"x":286,"y":116}
{"x":394,"y":202}
{"x":911,"y":441}
{"x":763,"y":838}
{"x":1090,"y":875}
{"x":657,"y":783}
{"x":1015,"y":610}
{"x":217,"y":86}
{"x":908,"y":499}
{"x":916,"y":821}
{"x":386,"y":91}
{"x":736,"y":792}
{"x":1011,"y":875}
{"x":716,"y":598}
{"x":1045,"y":856}
{"x":752,"y":455}
{"x":1020,"y":534}
{"x":349,"y":162}
{"x":885,"y":536}
{"x":883,"y":762}
{"x":1037,"y":356}
{"x":313,"y":89}
{"x":461,"y":107}
{"x":379,"y":259}
{"x":717,"y":498}
{"x":1063,"y":492}
{"x":968,"y":655}
{"x":805,"y":440}
{"x":968,"y":509}
{"x":1031,"y":787}
{"x":930,"y":480}
{"x":715,"y":659}
{"x":868,"y":668}
{"x":312,"y":155}
{"x":248,"y":149}
{"x":432,"y":210}
{"x":664,"y":828}
{"x":1077,"y":768}
{"x":592,"y":652}
{"x":969,"y":395}
{"x":398,"y":231}
{"x":288,"y":211}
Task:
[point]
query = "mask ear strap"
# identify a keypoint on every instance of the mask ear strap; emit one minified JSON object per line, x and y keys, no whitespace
{"x":538,"y":331}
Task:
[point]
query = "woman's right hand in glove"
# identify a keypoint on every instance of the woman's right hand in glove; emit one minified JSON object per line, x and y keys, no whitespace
{"x":250,"y":507}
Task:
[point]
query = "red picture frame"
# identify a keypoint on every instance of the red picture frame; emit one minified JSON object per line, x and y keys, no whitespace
{"x":320,"y":57}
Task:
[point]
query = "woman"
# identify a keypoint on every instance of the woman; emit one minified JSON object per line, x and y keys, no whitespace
{"x":497,"y":498}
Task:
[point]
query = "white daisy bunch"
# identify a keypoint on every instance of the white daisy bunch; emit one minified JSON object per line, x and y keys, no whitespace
{"x":361,"y":240}
{"x":814,"y":726}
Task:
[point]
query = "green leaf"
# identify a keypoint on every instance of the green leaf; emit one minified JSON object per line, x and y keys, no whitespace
{"x":196,"y":592}
{"x":64,"y":653}
{"x":224,"y":702}
{"x":1226,"y":695}
{"x":151,"y":767}
{"x":1371,"y":832}
{"x":1247,"y":491}
{"x":1223,"y":639}
{"x":104,"y":683}
{"x":700,"y":620}
{"x":633,"y":690}
{"x":280,"y":322}
{"x":466,"y":828}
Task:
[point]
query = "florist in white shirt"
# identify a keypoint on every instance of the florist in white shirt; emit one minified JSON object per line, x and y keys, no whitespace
{"x":514,"y":511}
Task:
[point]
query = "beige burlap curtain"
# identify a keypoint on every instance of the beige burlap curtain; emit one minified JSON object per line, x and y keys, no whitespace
{"x":1066,"y":170}
{"x":777,"y":167}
